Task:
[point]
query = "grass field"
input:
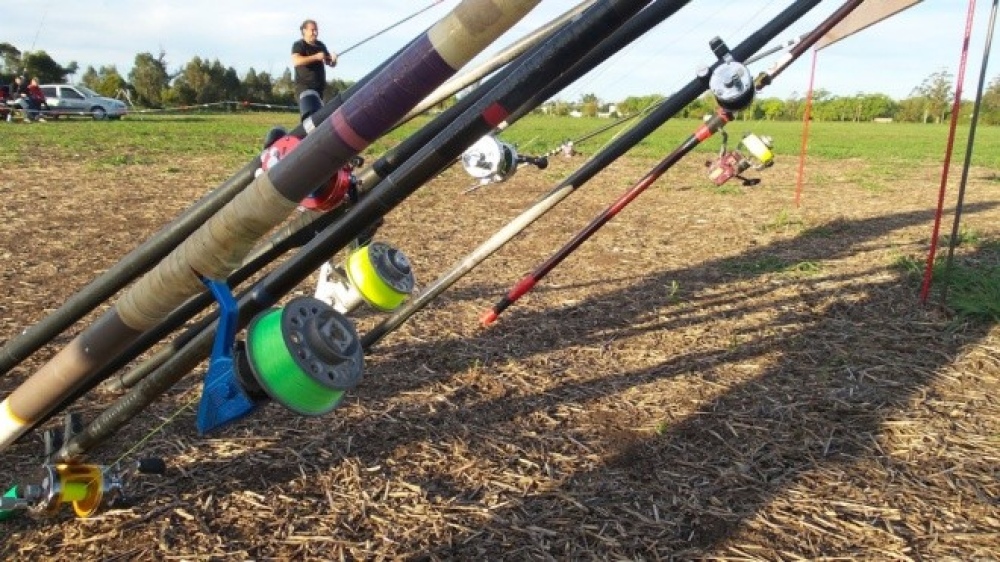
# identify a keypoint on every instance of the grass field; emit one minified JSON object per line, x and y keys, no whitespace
{"x":150,"y":137}
{"x":716,"y":375}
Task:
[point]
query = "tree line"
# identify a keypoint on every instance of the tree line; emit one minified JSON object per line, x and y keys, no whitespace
{"x":932,"y":101}
{"x":151,"y":84}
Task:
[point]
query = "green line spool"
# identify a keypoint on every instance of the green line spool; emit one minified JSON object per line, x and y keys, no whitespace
{"x":304,"y":356}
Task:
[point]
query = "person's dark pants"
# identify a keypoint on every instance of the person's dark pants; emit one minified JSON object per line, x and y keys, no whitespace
{"x":31,"y":109}
{"x":310,"y":101}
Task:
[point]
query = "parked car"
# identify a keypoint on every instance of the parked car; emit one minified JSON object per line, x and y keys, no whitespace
{"x":64,"y":99}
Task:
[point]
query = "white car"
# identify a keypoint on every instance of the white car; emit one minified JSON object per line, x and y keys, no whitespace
{"x":64,"y":99}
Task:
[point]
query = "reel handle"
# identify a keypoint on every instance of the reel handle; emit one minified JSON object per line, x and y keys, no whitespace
{"x":152,"y":465}
{"x":541,"y":162}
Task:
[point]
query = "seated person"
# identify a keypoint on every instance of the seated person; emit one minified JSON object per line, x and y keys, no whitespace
{"x":23,"y":99}
{"x":36,"y":98}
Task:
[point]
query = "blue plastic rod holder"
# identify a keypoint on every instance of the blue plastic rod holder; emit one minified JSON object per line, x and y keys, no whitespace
{"x":223,"y":399}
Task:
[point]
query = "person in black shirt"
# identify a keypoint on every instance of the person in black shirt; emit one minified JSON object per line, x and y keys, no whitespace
{"x":309,"y":55}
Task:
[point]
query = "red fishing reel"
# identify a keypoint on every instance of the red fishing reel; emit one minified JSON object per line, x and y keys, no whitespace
{"x":334,"y":192}
{"x":732,"y":163}
{"x":728,"y":166}
{"x":324,"y":198}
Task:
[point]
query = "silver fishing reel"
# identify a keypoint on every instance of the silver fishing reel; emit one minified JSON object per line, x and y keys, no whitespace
{"x":491,"y":160}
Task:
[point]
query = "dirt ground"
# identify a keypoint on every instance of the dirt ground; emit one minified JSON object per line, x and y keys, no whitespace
{"x":717,"y":374}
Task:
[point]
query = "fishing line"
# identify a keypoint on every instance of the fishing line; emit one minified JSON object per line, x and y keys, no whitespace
{"x":153,"y":432}
{"x":623,"y":121}
{"x":38,"y":31}
{"x":391,"y":27}
{"x":580,"y":86}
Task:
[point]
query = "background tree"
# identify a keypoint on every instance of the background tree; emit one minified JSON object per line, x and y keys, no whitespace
{"x":106,"y":81}
{"x":284,"y":89}
{"x":795,"y":107}
{"x":225,"y":81}
{"x":635,"y":104}
{"x":772,"y":108}
{"x":990,"y":110}
{"x":335,"y":85}
{"x":257,"y":87}
{"x":705,"y":105}
{"x":149,"y":79}
{"x":589,"y":103}
{"x":937,"y":93}
{"x":40,"y":64}
{"x":192,"y":84}
{"x":910,"y":110}
{"x":561,"y":108}
{"x":10,"y":62}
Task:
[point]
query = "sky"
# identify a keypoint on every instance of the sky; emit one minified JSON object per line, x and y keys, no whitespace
{"x":892,"y":57}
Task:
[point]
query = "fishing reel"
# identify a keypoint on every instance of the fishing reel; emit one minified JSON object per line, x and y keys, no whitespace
{"x":376,"y":274}
{"x":342,"y":186}
{"x":304,"y":356}
{"x":86,"y":487}
{"x":567,"y":149}
{"x":729,"y":80}
{"x":491,"y":160}
{"x":732,"y":163}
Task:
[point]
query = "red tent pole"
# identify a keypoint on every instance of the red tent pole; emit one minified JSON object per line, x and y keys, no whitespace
{"x":805,"y":130}
{"x":929,"y":269}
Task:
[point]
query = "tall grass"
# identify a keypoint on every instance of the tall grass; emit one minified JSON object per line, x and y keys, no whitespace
{"x":972,"y":281}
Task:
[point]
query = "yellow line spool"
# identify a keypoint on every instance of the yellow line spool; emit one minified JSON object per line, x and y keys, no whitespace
{"x":381,"y":274}
{"x":81,"y":485}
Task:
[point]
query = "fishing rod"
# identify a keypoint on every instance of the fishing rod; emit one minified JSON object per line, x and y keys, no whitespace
{"x":619,"y":38}
{"x":584,"y":173}
{"x":552,"y":57}
{"x":218,"y":247}
{"x":391,"y":27}
{"x":297,"y":232}
{"x":302,"y":228}
{"x":369,"y":176}
{"x":497,"y":160}
{"x":157,"y":246}
{"x":193,"y":306}
{"x":306,"y":226}
{"x":507,"y":55}
{"x":622,"y":120}
{"x":734,"y":90}
{"x":627,"y":33}
{"x":161,"y":243}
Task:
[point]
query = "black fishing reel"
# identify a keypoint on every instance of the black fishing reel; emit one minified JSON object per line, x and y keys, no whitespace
{"x":729,"y":80}
{"x":491,"y":160}
{"x":342,"y":186}
{"x":732,"y":163}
